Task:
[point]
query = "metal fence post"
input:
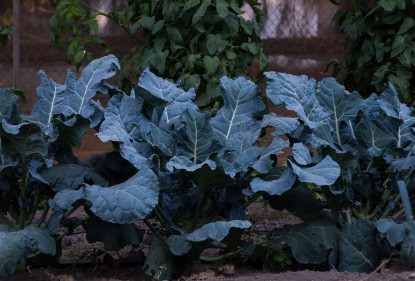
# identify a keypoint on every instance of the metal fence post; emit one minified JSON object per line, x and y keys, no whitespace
{"x":16,"y":44}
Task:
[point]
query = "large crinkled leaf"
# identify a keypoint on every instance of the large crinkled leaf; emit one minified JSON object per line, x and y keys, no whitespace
{"x":80,"y":91}
{"x":311,"y":242}
{"x":395,"y":233}
{"x":157,"y":137}
{"x":216,"y":231}
{"x":75,"y":175}
{"x":407,"y":163}
{"x":113,"y":129}
{"x":127,"y":202}
{"x":283,"y":125}
{"x":358,"y":250}
{"x":17,"y":245}
{"x":340,"y":104}
{"x":390,"y":104}
{"x":164,"y":89}
{"x":301,"y":154}
{"x":24,"y":140}
{"x":50,"y":101}
{"x":179,"y":245}
{"x":195,"y":139}
{"x":277,"y":182}
{"x":177,"y":100}
{"x":114,"y":236}
{"x":8,"y":106}
{"x":160,"y":262}
{"x":238,"y":154}
{"x":324,"y":173}
{"x":242,"y":101}
{"x":129,"y":110}
{"x":184,"y":163}
{"x":297,"y":93}
{"x":123,"y":203}
{"x":374,"y":134}
{"x":264,"y":162}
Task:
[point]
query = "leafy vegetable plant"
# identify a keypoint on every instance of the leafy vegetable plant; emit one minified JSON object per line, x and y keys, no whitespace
{"x":189,"y":176}
{"x":35,"y":152}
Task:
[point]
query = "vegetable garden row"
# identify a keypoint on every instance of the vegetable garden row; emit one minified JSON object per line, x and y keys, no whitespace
{"x":189,"y":175}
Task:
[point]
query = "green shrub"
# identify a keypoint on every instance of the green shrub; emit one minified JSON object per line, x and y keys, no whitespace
{"x":196,"y":42}
{"x":380,"y":46}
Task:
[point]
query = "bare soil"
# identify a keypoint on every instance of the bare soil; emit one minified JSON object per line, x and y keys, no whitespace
{"x":83,"y":261}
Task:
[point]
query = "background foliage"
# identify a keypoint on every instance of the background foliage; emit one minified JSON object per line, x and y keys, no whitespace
{"x":380,"y":46}
{"x":196,"y":42}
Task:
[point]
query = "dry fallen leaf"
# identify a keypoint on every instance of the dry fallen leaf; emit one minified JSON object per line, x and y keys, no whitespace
{"x":228,"y":269}
{"x":203,"y":275}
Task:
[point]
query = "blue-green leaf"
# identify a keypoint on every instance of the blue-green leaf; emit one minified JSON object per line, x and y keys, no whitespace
{"x":395,"y":233}
{"x":324,"y":173}
{"x":179,"y":245}
{"x":302,"y":154}
{"x":283,"y":125}
{"x":184,"y":163}
{"x":311,"y":242}
{"x":276,"y":182}
{"x":242,"y":101}
{"x":238,"y":154}
{"x":297,"y":93}
{"x":8,"y":106}
{"x":216,"y":231}
{"x":80,"y":91}
{"x":75,"y":176}
{"x":358,"y":248}
{"x":127,"y":202}
{"x":195,"y":138}
{"x":341,"y":105}
{"x":50,"y":101}
{"x":123,"y":203}
{"x":264,"y":162}
{"x":17,"y":245}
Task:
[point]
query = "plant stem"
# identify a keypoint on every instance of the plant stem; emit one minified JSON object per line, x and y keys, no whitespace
{"x":253,"y":199}
{"x":408,"y":212}
{"x":43,"y":216}
{"x":198,"y":207}
{"x":23,"y":186}
{"x":5,"y":220}
{"x":148,"y":223}
{"x":218,"y":258}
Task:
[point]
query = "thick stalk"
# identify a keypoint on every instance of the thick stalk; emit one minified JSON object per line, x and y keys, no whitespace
{"x":33,"y":211}
{"x":43,"y":216}
{"x":198,"y":207}
{"x":23,"y":187}
{"x":408,"y":212}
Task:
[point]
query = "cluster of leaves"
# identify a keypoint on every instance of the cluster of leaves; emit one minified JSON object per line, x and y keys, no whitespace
{"x":195,"y":174}
{"x":5,"y":32}
{"x":196,"y":42}
{"x":380,"y":46}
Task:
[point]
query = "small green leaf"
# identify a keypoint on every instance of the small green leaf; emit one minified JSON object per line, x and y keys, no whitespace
{"x":147,"y":22}
{"x":201,"y":11}
{"x":157,"y":26}
{"x":214,"y":43}
{"x":407,"y":24}
{"x":387,"y":5}
{"x":248,"y":26}
{"x":190,"y":4}
{"x":222,"y":8}
{"x":253,"y":48}
{"x":158,"y":60}
{"x":79,"y":57}
{"x":211,"y":64}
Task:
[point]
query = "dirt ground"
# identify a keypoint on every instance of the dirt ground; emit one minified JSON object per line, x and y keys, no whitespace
{"x":83,"y":261}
